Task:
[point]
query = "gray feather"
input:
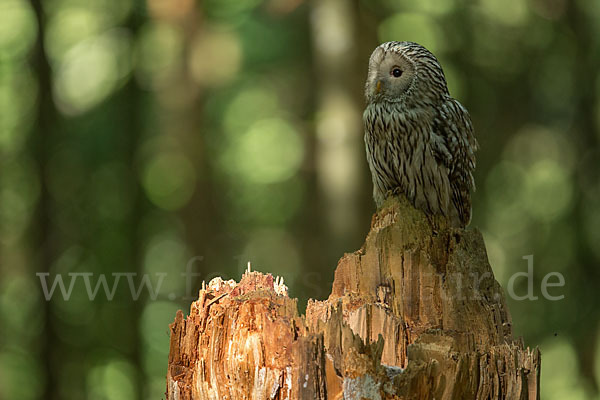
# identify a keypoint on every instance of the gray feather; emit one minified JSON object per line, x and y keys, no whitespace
{"x":419,"y":141}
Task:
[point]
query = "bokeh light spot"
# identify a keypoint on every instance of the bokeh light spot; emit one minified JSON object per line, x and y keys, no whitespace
{"x":72,"y":309}
{"x":21,"y":376}
{"x":16,"y":292}
{"x":534,"y":143}
{"x":91,"y":71}
{"x":17,"y":29}
{"x":509,"y":12}
{"x":155,"y":317}
{"x":18,"y":97}
{"x":113,"y":380}
{"x":548,"y":190}
{"x":169,"y":180}
{"x":215,"y":57}
{"x":164,"y":254}
{"x":334,"y":32}
{"x":560,"y":371}
{"x":69,"y":27}
{"x":270,"y":151}
{"x":248,"y":106}
{"x":159,"y":48}
{"x":170,"y":9}
{"x":413,"y":28}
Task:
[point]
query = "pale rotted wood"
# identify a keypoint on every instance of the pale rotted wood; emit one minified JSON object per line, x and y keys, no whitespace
{"x":414,"y":314}
{"x":245,"y":341}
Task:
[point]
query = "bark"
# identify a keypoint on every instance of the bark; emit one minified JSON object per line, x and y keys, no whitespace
{"x":414,"y":314}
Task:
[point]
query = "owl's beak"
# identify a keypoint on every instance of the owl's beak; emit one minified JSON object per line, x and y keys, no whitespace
{"x":378,"y":87}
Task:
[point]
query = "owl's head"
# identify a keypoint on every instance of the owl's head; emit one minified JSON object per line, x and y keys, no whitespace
{"x":404,"y":72}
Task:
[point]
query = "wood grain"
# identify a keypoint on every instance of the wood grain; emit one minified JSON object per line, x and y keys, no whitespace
{"x":414,"y":314}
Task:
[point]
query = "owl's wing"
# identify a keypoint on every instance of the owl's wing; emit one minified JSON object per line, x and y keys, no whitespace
{"x":453,"y":125}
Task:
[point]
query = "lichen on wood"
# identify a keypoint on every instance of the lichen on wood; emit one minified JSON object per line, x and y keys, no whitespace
{"x":414,"y":314}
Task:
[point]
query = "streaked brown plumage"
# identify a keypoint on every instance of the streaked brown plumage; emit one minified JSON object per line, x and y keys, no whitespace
{"x":419,"y":140}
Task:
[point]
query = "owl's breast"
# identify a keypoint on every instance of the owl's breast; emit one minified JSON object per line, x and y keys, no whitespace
{"x":392,"y":124}
{"x":399,"y":147}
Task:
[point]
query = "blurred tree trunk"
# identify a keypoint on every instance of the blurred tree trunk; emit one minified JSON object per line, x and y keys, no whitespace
{"x":338,"y":123}
{"x":414,"y":314}
{"x":585,"y":130}
{"x":132,"y":112}
{"x":41,"y":144}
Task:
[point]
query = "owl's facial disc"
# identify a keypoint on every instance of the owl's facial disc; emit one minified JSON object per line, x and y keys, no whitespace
{"x":390,"y":76}
{"x":396,"y":72}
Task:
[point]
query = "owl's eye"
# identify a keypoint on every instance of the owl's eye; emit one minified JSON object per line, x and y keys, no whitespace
{"x":397,"y":72}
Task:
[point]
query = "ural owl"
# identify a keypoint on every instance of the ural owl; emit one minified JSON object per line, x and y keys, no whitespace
{"x":419,"y":140}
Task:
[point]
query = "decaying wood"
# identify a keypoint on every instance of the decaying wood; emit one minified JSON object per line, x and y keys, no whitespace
{"x":414,"y":314}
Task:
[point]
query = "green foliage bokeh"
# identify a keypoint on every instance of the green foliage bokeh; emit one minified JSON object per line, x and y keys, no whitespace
{"x":150,"y":138}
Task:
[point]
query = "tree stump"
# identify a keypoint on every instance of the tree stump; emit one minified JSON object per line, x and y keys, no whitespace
{"x":414,"y":314}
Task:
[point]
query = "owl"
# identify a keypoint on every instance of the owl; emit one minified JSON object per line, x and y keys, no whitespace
{"x":419,"y":140}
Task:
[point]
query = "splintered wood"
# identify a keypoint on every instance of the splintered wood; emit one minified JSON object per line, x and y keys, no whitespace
{"x":414,"y":314}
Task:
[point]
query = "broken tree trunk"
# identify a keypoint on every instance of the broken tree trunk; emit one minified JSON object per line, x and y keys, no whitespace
{"x":414,"y":314}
